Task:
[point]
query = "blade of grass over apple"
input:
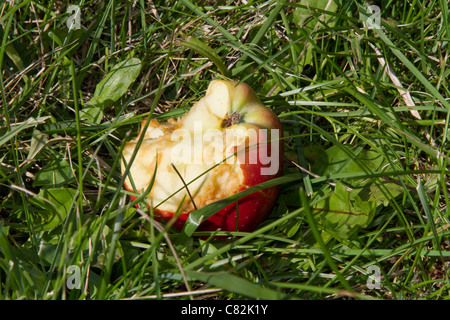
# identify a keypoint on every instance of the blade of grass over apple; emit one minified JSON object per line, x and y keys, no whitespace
{"x":142,"y":196}
{"x":207,"y":211}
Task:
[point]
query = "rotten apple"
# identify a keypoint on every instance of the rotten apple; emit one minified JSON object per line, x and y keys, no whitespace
{"x":227,"y":142}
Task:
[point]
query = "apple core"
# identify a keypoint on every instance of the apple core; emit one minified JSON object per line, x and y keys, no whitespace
{"x":226,"y":143}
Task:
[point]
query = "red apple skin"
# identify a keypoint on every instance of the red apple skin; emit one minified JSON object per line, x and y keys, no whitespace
{"x":253,"y":208}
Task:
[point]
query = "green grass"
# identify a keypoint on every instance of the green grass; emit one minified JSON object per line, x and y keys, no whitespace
{"x":365,"y":114}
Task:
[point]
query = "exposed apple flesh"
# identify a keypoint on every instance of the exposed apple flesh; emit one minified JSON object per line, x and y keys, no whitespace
{"x":226,"y":143}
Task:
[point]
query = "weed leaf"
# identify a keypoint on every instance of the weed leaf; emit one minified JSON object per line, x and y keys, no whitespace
{"x":113,"y":86}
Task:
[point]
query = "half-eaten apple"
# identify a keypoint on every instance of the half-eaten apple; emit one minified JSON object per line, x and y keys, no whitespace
{"x":227,"y":142}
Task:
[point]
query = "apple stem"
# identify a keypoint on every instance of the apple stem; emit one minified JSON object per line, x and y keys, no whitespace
{"x":232,"y":119}
{"x":185,"y":185}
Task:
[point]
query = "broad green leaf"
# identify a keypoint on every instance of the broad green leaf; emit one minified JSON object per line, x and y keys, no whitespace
{"x":55,"y":174}
{"x":381,"y":194}
{"x":344,"y":212}
{"x":92,"y":113}
{"x":347,"y":210}
{"x":94,"y":229}
{"x":116,"y":82}
{"x":343,"y":161}
{"x":318,"y":158}
{"x":52,"y":207}
{"x":303,"y":15}
{"x":113,"y":86}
